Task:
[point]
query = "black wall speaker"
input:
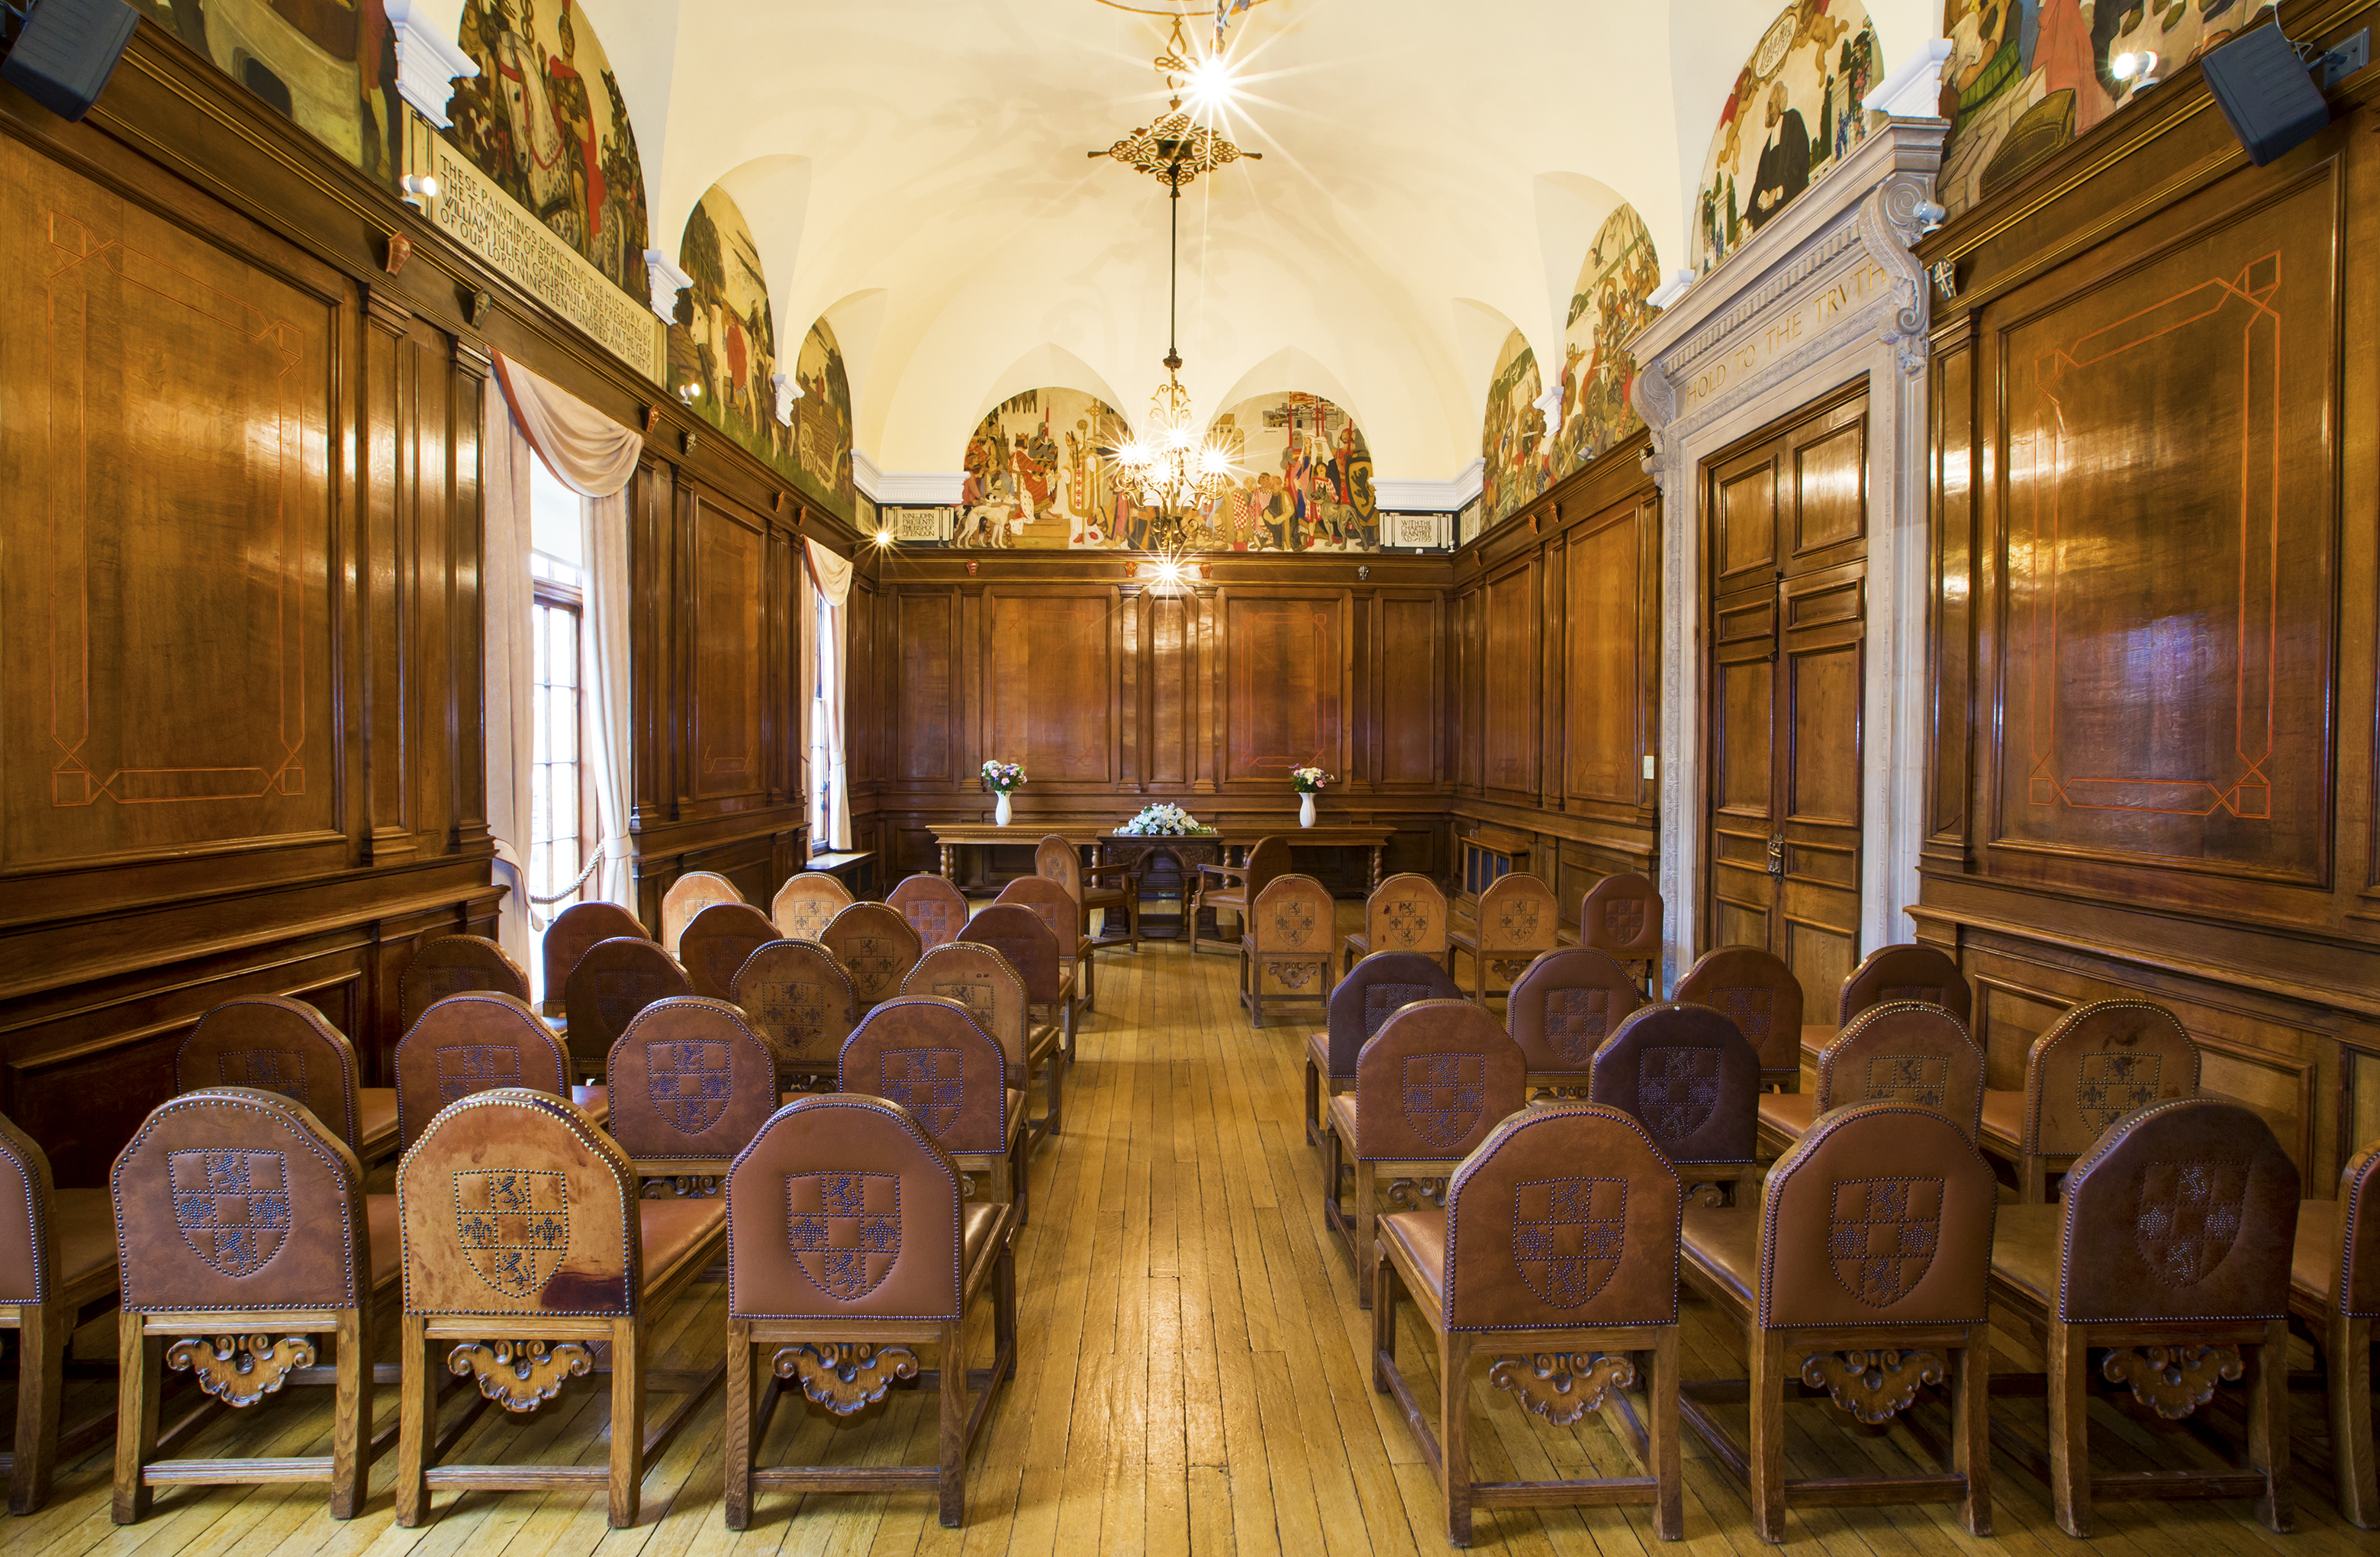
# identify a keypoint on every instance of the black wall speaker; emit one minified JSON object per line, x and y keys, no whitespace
{"x":2263,"y":88}
{"x":66,"y":51}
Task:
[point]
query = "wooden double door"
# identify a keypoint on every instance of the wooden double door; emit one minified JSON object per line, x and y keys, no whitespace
{"x":1785,"y":598}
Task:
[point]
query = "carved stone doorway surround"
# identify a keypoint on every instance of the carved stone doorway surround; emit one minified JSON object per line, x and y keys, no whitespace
{"x":1826,"y":294}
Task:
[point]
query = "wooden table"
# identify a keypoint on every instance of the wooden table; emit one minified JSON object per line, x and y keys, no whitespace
{"x":953,"y":836}
{"x":1374,"y":840}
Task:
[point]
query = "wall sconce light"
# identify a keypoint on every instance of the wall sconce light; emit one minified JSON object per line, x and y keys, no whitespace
{"x":417,"y":190}
{"x":2140,"y":69}
{"x":689,"y":392}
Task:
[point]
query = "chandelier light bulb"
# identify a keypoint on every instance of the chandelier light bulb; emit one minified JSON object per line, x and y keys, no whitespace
{"x":1210,"y":83}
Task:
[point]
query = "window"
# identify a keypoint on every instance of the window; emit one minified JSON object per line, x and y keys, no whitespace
{"x":559,"y":799}
{"x":822,"y":769}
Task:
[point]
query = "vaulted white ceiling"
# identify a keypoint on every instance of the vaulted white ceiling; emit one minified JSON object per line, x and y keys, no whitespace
{"x":914,"y":170}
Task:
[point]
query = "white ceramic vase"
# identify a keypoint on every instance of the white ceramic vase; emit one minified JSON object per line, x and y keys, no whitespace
{"x":1000,"y":812}
{"x":1306,"y":810}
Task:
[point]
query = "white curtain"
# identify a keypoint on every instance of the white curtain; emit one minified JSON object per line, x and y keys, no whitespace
{"x":832,"y":577}
{"x":604,"y":652}
{"x":505,"y":457}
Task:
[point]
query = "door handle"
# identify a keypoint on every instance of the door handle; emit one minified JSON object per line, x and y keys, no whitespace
{"x":1777,"y":856}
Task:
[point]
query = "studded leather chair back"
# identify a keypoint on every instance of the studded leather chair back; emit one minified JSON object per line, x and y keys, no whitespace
{"x":2098,"y":1063}
{"x":513,"y":1204}
{"x":1024,"y":942}
{"x":235,"y":1198}
{"x":451,"y":965}
{"x":1266,"y":863}
{"x":800,"y":999}
{"x":1292,"y":916}
{"x":1517,"y":914}
{"x":1054,"y":859}
{"x":276,"y":1045}
{"x":844,"y":1208}
{"x":1566,"y":1004}
{"x":1566,"y":1216}
{"x":1621,"y":916}
{"x":1686,"y":1074}
{"x":929,"y":1055}
{"x":29,"y":1249}
{"x":573,"y":931}
{"x":614,"y":980}
{"x":689,"y":896}
{"x":1904,"y":973}
{"x":875,"y":946}
{"x":808,"y":903}
{"x":1407,"y":913}
{"x":1753,"y":988}
{"x":1374,"y":990}
{"x":716,"y":943}
{"x":933,"y":907}
{"x":2356,"y":1278}
{"x":689,"y":1080}
{"x":1434,"y":1081}
{"x":1882,"y":1214}
{"x":979,"y":978}
{"x":1058,"y":907}
{"x":1905,"y":1051}
{"x":2185,"y":1209}
{"x":470,"y":1043}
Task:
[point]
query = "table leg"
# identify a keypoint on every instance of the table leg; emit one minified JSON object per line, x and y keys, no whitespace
{"x":950,"y":863}
{"x":1375,"y":866}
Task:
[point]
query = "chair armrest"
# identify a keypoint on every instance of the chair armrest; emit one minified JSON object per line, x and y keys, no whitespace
{"x":1227,"y":875}
{"x":1092,"y":873}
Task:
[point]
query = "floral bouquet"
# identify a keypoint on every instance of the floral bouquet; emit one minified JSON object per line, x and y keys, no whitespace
{"x":1000,"y":777}
{"x":1163,"y":821}
{"x":1309,"y":780}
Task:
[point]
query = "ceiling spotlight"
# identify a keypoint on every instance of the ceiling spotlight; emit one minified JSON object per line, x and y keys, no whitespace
{"x":2139,"y":67}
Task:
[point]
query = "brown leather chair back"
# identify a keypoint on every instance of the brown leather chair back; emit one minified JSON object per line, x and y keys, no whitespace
{"x":451,"y":965}
{"x":1565,"y":1004}
{"x":689,"y":896}
{"x":979,"y":978}
{"x":2355,"y":1275}
{"x":933,"y":907}
{"x":1375,"y":990}
{"x":1517,"y":914}
{"x":1266,"y":863}
{"x":614,"y":980}
{"x":29,"y":1249}
{"x":1621,"y":915}
{"x":513,"y":1203}
{"x":1881,"y":1214}
{"x":716,"y":943}
{"x":2098,"y":1063}
{"x":1023,"y":942}
{"x":573,"y":933}
{"x":1906,"y":1051}
{"x":1054,"y":859}
{"x":1753,"y":988}
{"x":237,"y":1198}
{"x":929,"y":1056}
{"x":276,"y":1045}
{"x":1407,"y":913}
{"x":801,"y":1000}
{"x":1688,"y":1076}
{"x":875,"y":946}
{"x":470,"y":1043}
{"x":1057,"y":908}
{"x":844,"y":1208}
{"x":1905,"y":973}
{"x":2185,"y":1209}
{"x":688,"y":1080}
{"x":1294,"y":915}
{"x":1566,"y":1216}
{"x":808,"y":903}
{"x":1436,"y":1077}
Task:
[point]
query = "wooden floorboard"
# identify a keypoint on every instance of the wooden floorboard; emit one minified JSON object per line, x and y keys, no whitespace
{"x":1193,"y":1378}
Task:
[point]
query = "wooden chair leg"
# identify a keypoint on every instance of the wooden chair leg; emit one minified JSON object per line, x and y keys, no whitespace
{"x":42,"y":1330}
{"x":2268,"y":1425}
{"x":1384,"y":1324}
{"x":1453,"y":1442}
{"x":1020,"y":1174}
{"x":1003,"y":1308}
{"x":1314,"y":1120}
{"x":627,"y":1422}
{"x":2348,"y":1345}
{"x":1366,"y":1229}
{"x":140,"y":1361}
{"x":2033,"y":1187}
{"x":2070,"y":1428}
{"x":1056,"y":1103}
{"x":737,"y":1451}
{"x":416,"y":1424}
{"x":1766,"y":1369}
{"x":952,"y":1437}
{"x":351,"y":1415}
{"x":1256,"y":993}
{"x":1661,"y":1440}
{"x":1971,"y":1430}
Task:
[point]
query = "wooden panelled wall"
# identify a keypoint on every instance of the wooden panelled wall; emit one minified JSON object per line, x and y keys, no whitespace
{"x":239,"y":613}
{"x":2154,"y":639}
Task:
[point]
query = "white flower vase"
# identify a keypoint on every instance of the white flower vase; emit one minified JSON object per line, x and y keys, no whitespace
{"x":1306,"y":810}
{"x":1000,"y":811}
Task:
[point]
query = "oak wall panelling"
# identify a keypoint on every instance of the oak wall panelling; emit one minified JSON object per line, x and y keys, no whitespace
{"x":2154,"y":576}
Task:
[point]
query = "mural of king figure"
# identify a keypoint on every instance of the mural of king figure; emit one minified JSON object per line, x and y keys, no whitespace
{"x":1040,"y":475}
{"x":1794,"y":109}
{"x":1303,"y":479}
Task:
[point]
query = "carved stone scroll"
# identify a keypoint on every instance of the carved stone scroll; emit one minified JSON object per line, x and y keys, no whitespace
{"x":2173,"y":1381}
{"x":1412,"y":1194}
{"x":1872,"y":1386}
{"x":241,"y":1370}
{"x":846,"y":1376}
{"x":1563,"y":1386}
{"x":519,"y":1374}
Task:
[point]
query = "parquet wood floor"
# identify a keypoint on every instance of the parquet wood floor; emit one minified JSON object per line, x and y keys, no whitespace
{"x":1192,"y":1380}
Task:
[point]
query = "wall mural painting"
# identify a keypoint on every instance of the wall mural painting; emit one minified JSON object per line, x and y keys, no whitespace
{"x":724,"y":338}
{"x":1303,"y":479}
{"x":821,"y":430}
{"x":330,"y":65}
{"x":1512,"y":443}
{"x":544,"y":118}
{"x":2026,"y":77}
{"x":1606,"y":311}
{"x":1794,"y":109}
{"x":1038,"y":476}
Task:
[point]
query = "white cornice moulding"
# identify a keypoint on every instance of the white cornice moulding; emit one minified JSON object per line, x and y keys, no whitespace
{"x":864,"y":474}
{"x":428,"y":62}
{"x":666,"y":281}
{"x":931,"y":487}
{"x":1914,"y":91}
{"x":1402,"y":496}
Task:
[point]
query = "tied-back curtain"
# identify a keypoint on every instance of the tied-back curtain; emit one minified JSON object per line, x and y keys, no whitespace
{"x":510,"y":601}
{"x":831,"y":575}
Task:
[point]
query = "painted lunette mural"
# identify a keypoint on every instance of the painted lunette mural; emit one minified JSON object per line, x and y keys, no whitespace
{"x":1516,"y":464}
{"x":821,"y":430}
{"x":1606,"y":309}
{"x":1039,"y":475}
{"x":2026,"y":77}
{"x":329,"y":65}
{"x":1794,"y":109}
{"x":1303,"y":479}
